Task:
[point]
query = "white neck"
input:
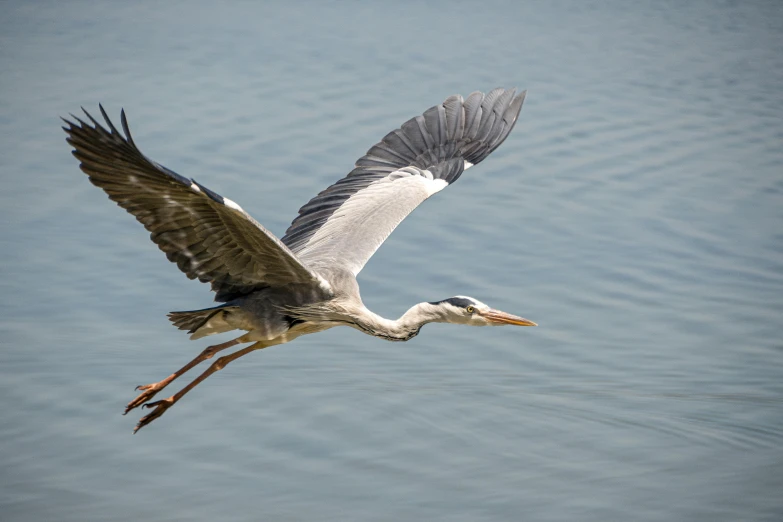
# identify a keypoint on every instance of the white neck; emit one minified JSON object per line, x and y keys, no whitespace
{"x":405,"y":327}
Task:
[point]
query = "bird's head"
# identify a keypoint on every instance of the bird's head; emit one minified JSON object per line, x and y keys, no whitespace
{"x":470,"y":311}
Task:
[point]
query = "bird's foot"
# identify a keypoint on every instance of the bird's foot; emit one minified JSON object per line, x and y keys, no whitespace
{"x":149,"y":391}
{"x":160,"y":408}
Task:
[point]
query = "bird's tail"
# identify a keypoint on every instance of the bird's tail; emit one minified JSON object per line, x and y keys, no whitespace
{"x":200,"y":323}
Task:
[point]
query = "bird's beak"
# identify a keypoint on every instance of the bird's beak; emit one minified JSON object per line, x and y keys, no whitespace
{"x":497,"y":317}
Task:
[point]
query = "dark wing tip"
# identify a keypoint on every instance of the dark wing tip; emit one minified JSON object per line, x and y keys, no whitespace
{"x":497,"y":115}
{"x":126,"y":127}
{"x":106,"y":118}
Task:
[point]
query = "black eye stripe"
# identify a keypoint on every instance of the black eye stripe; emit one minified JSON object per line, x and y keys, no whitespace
{"x":459,"y":302}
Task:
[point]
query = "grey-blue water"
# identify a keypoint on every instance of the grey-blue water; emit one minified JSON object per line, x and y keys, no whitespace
{"x":635,"y":213}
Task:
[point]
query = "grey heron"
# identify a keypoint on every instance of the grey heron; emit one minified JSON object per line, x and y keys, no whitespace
{"x":279,"y":289}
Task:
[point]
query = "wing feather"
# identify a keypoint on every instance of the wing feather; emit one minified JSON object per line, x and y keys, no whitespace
{"x":210,"y":238}
{"x":347,"y":222}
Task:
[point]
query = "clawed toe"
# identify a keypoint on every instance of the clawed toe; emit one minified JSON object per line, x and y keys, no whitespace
{"x":149,"y":391}
{"x":160,"y":408}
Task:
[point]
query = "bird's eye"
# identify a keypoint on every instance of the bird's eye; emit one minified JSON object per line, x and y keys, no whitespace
{"x":470,"y":309}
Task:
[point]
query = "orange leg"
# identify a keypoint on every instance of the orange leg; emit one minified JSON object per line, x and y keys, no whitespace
{"x":163,"y":405}
{"x":149,"y":390}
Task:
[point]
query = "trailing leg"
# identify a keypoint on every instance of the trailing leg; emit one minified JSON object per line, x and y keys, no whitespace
{"x":149,"y":390}
{"x":163,"y":405}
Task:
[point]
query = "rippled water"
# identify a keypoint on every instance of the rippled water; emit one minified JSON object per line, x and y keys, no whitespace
{"x":635,"y":213}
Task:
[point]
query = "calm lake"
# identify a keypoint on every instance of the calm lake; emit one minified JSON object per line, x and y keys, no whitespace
{"x":635,"y":213}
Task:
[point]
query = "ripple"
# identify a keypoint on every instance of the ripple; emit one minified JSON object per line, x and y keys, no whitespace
{"x":634,"y":213}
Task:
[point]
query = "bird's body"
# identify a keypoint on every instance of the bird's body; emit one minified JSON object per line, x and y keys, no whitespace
{"x":279,"y":289}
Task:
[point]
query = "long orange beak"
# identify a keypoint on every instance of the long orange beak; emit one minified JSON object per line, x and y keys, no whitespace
{"x":498,"y":317}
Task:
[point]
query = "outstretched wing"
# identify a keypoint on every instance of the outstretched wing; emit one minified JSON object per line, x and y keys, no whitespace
{"x":346,"y":223}
{"x":209,"y":237}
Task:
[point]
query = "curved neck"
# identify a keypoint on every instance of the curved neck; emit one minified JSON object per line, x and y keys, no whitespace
{"x":404,"y":328}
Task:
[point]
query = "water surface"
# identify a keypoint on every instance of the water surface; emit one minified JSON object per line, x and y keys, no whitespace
{"x":635,"y":213}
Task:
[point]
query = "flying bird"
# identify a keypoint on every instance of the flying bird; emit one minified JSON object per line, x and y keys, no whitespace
{"x":305,"y":282}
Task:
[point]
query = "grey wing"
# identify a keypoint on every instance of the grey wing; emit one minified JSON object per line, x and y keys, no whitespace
{"x":346,"y":223}
{"x":209,"y":237}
